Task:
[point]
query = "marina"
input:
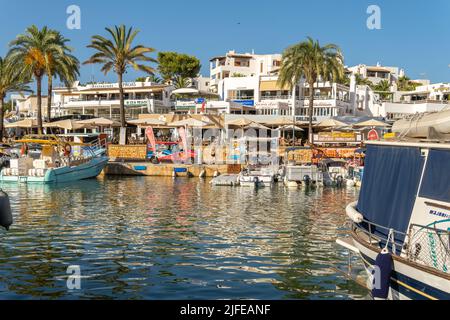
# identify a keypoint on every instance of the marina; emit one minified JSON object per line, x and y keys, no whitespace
{"x":223,"y":160}
{"x":187,"y":241}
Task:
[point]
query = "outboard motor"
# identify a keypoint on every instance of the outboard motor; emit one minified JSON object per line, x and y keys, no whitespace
{"x":382,"y":275}
{"x":307,"y":180}
{"x":339,"y":181}
{"x":256,"y":181}
{"x":6,"y":218}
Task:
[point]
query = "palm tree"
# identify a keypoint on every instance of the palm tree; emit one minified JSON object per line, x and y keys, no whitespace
{"x":180,"y":82}
{"x":118,"y":54}
{"x":11,"y":80}
{"x":29,"y":52}
{"x":65,"y":66}
{"x":311,"y":61}
{"x":383,"y":88}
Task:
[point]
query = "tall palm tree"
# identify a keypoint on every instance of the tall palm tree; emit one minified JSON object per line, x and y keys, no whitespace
{"x":65,"y":66}
{"x":118,"y":54}
{"x":29,"y":51}
{"x":311,"y":61}
{"x":11,"y":80}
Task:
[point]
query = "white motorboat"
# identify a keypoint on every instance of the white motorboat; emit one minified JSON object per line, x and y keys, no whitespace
{"x":257,"y":177}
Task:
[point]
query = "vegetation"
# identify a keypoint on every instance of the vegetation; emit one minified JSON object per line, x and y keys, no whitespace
{"x":313,"y":62}
{"x":60,"y":63}
{"x":383,"y":88}
{"x":12,"y":79}
{"x":31,"y":51}
{"x":405,"y":84}
{"x":118,"y":53}
{"x":173,"y":65}
{"x":181,"y":82}
{"x":152,"y":78}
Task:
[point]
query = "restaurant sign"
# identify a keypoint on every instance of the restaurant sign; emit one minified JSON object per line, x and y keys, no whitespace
{"x":336,"y":137}
{"x":136,"y":103}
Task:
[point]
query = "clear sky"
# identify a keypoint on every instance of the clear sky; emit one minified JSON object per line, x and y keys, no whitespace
{"x":415,"y":34}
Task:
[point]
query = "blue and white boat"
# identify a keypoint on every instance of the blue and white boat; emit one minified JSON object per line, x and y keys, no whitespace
{"x":400,"y":226}
{"x":57,"y":163}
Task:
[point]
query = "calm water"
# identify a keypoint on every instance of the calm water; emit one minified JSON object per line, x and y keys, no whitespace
{"x":158,"y":238}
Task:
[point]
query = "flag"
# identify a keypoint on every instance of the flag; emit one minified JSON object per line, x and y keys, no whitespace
{"x":203,"y":106}
{"x":151,"y":138}
{"x":182,"y":133}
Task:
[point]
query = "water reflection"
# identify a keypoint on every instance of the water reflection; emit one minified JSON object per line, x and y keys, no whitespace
{"x":164,"y":238}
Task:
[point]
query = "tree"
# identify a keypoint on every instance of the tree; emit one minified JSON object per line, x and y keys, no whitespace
{"x":152,"y":78}
{"x":118,"y":54}
{"x":405,"y":84}
{"x":311,"y":61}
{"x":12,"y":79}
{"x":29,"y":51}
{"x":60,"y":63}
{"x":383,"y":88}
{"x":180,"y":82}
{"x":172,"y":65}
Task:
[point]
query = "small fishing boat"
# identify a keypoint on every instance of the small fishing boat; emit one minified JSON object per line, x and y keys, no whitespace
{"x":57,"y":162}
{"x":400,"y":226}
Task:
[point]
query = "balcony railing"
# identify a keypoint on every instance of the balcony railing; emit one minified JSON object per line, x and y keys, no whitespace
{"x":280,"y":97}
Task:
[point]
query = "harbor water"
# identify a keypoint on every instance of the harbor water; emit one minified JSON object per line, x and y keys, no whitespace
{"x":164,"y":238}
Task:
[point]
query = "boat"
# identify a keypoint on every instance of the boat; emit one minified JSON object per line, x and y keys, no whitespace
{"x":334,"y":171}
{"x":255,"y":176}
{"x":419,"y":125}
{"x":400,"y":225}
{"x":57,"y":162}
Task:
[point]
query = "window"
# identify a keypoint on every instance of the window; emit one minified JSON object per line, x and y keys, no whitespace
{"x":435,"y":184}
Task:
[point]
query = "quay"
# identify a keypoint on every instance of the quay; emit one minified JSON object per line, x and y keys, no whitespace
{"x":167,"y":169}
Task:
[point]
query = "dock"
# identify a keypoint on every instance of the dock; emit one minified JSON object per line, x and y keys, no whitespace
{"x":164,"y":169}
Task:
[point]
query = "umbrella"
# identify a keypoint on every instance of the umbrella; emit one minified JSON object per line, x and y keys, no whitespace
{"x":26,"y":123}
{"x":190,"y":122}
{"x":280,"y":121}
{"x":291,"y":127}
{"x":147,"y":122}
{"x":255,"y":125}
{"x":372,"y":123}
{"x":185,"y":91}
{"x":67,"y":124}
{"x":100,"y":122}
{"x":240,"y":122}
{"x":330,"y":123}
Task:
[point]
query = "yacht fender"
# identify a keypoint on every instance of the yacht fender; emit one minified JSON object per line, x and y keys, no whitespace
{"x":382,"y":275}
{"x":6,"y":219}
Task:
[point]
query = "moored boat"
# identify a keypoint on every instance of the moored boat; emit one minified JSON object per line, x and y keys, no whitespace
{"x":55,"y":164}
{"x":400,"y":225}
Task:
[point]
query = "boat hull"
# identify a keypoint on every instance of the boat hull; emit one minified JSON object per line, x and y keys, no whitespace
{"x":90,"y":169}
{"x":409,"y":280}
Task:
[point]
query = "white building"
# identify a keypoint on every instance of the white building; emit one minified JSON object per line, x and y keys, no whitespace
{"x":102,"y":99}
{"x":234,"y":65}
{"x":426,"y":98}
{"x":378,"y":73}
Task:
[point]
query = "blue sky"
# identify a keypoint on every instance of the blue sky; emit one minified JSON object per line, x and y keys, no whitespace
{"x":414,"y":34}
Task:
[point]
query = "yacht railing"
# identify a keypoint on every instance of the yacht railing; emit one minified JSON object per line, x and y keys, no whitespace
{"x":390,"y":240}
{"x":427,"y":246}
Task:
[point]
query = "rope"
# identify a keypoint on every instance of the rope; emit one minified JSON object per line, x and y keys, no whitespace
{"x":390,"y":237}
